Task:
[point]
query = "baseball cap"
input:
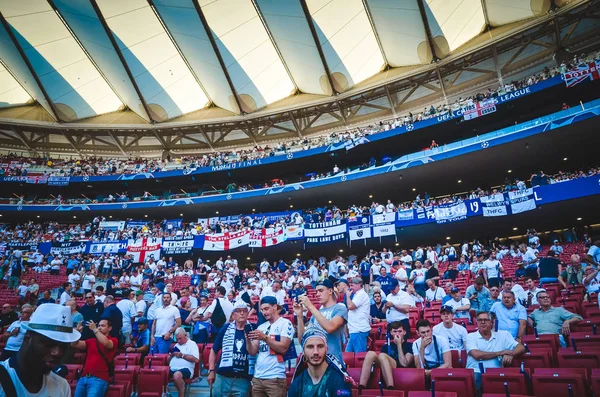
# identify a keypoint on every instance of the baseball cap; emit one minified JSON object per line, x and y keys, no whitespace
{"x":325,"y":283}
{"x":139,"y":292}
{"x":453,"y":290}
{"x":269,"y":300}
{"x":394,"y":283}
{"x":446,"y":308}
{"x":342,"y":280}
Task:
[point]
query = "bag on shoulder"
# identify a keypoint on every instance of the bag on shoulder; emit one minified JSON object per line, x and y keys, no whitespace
{"x":218,"y":317}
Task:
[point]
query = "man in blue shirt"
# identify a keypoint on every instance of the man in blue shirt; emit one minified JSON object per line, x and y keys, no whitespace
{"x":365,"y":268}
{"x":385,"y":280}
{"x":142,"y":342}
{"x":511,"y":316}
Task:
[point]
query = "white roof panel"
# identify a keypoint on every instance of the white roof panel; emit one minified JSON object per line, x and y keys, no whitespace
{"x":401,"y":32}
{"x":71,"y":80}
{"x":185,"y":25}
{"x":501,"y":12}
{"x":288,"y":26}
{"x":252,"y":62}
{"x":453,"y":23}
{"x":86,"y":26}
{"x":11,"y":92}
{"x":347,"y":40}
{"x":166,"y":83}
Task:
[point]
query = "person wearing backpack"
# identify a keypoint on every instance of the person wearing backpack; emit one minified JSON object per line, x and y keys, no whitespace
{"x":431,"y":351}
{"x":98,"y":368}
{"x":219,"y":312}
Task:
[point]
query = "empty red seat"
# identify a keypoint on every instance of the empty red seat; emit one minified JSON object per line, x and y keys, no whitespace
{"x":408,"y":379}
{"x":584,"y":340}
{"x":156,"y":359}
{"x":373,"y":379}
{"x":153,"y":380}
{"x":494,"y":382}
{"x":458,"y":380}
{"x":129,"y":374}
{"x":359,"y":359}
{"x":127,"y":359}
{"x":578,"y":359}
{"x":595,"y":381}
{"x":348,"y":359}
{"x":557,"y":385}
{"x":564,"y":372}
{"x":533,"y":360}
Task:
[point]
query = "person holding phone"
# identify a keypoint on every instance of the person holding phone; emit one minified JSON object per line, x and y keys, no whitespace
{"x":182,"y":360}
{"x":15,"y":333}
{"x":231,"y":375}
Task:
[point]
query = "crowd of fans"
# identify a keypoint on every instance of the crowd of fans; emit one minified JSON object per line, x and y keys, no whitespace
{"x":330,"y":305}
{"x":16,"y":165}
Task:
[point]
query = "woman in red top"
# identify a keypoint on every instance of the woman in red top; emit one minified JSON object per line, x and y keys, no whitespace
{"x":101,"y":350}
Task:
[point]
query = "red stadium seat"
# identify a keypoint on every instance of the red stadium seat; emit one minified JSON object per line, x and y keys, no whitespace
{"x":428,"y":394}
{"x":586,"y":326}
{"x":577,"y":359}
{"x":494,"y":383}
{"x":74,"y":371}
{"x":377,"y":392}
{"x":458,"y":380}
{"x":584,"y":340}
{"x":127,"y":359}
{"x":348,"y":359}
{"x":156,"y":359}
{"x":595,"y":381}
{"x":116,"y":390}
{"x":409,"y":379}
{"x":556,"y":385}
{"x":565,"y":372}
{"x":373,"y":379}
{"x":129,"y":374}
{"x":153,"y":380}
{"x":459,"y":361}
{"x":533,"y":360}
{"x":359,"y":359}
{"x":503,"y":395}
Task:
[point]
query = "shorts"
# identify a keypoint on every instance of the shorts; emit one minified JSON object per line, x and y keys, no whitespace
{"x":185,"y":372}
{"x":366,"y":280}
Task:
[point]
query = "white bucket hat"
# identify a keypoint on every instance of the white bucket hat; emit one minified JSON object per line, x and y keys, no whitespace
{"x":53,"y":321}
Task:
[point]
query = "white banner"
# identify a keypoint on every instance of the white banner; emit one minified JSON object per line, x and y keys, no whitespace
{"x":324,"y":232}
{"x":406,"y":215}
{"x":384,"y":230}
{"x":110,"y":247}
{"x":522,"y":201}
{"x":263,"y":238}
{"x":142,"y":249}
{"x":384,"y":224}
{"x":450,"y":212}
{"x":294,"y":232}
{"x":226,"y":241}
{"x":112,"y":225}
{"x":360,"y":228}
{"x":494,"y":205}
{"x":387,"y":217}
{"x":208,"y":221}
{"x":177,"y":247}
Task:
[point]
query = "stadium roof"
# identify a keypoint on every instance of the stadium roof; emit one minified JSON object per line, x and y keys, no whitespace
{"x":164,"y":59}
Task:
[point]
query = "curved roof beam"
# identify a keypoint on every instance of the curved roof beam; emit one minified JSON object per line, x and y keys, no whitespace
{"x":370,"y":18}
{"x":12,"y":93}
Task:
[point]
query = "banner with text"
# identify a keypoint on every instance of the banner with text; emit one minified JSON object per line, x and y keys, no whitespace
{"x":142,"y":249}
{"x":494,"y":205}
{"x":68,"y":248}
{"x":226,"y":241}
{"x":324,"y":232}
{"x":384,"y":224}
{"x":450,"y":212}
{"x":267,"y":237}
{"x":359,"y":228}
{"x":179,"y":246}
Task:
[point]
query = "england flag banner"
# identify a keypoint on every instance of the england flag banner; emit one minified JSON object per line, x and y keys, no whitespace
{"x":494,"y":205}
{"x":521,"y":201}
{"x":445,"y":213}
{"x":324,"y":232}
{"x":590,"y":71}
{"x":294,"y":232}
{"x":384,"y":224}
{"x":359,"y":228}
{"x":177,"y":246}
{"x":226,"y":241}
{"x":110,"y":247}
{"x":267,"y":237}
{"x":478,"y":109}
{"x":142,"y":249}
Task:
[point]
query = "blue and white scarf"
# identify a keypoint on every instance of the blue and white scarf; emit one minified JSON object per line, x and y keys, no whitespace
{"x":227,"y":347}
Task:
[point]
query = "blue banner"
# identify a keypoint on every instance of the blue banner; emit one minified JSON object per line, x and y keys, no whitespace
{"x":58,"y":180}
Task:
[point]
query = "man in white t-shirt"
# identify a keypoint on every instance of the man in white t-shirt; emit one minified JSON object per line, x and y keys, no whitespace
{"x":434,"y":293}
{"x":135,"y":281}
{"x":430,"y":351}
{"x":269,"y":343}
{"x":406,"y":259}
{"x":402,"y":276}
{"x":455,"y":334}
{"x":74,"y":278}
{"x":359,"y":310}
{"x":140,"y":305}
{"x":492,"y":270}
{"x":167,"y":320}
{"x":127,"y":307}
{"x":459,"y":305}
{"x":182,"y":360}
{"x":88,"y":281}
{"x":276,"y":291}
{"x":66,"y":294}
{"x":398,"y":304}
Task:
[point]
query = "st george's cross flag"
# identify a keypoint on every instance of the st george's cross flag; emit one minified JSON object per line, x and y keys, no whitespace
{"x":226,"y":241}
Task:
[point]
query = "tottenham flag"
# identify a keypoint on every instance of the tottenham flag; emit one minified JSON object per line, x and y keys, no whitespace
{"x":359,"y":228}
{"x":384,"y":224}
{"x":521,"y":201}
{"x":450,"y":212}
{"x":266,"y":237}
{"x":142,"y":249}
{"x":494,"y":205}
{"x":226,"y":241}
{"x":324,"y":232}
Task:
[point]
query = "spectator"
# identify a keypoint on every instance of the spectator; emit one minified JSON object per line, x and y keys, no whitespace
{"x":455,"y":334}
{"x":417,"y":277}
{"x":510,"y":316}
{"x":447,"y":288}
{"x":384,"y":280}
{"x":76,"y":316}
{"x":16,"y":270}
{"x":416,"y":298}
{"x":529,"y":257}
{"x":112,"y":285}
{"x":520,"y":272}
{"x":492,"y":349}
{"x":398,"y":304}
{"x":100,"y":295}
{"x":434,"y":293}
{"x":232,"y":373}
{"x":127,"y":308}
{"x":323,"y":375}
{"x":532,"y":292}
{"x":88,"y":281}
{"x":357,"y":301}
{"x":140,"y":306}
{"x":430,"y":351}
{"x":450,"y":273}
{"x":167,"y":320}
{"x":101,"y":351}
{"x":556,"y":247}
{"x":591,"y":281}
{"x":492,"y":270}
{"x":270,"y":342}
{"x":593,"y":255}
{"x":331,"y":317}
{"x":15,"y":334}
{"x":41,"y":350}
{"x":34,"y":290}
{"x":112,"y":313}
{"x":397,"y":353}
{"x":516,"y":289}
{"x":219,"y":311}
{"x":91,"y":311}
{"x":573,"y":274}
{"x":66,"y":294}
{"x":431,"y":272}
{"x":552,"y":320}
{"x":46,"y":299}
{"x":378,"y":308}
{"x":182,"y":360}
{"x":477,"y":266}
{"x":549,"y":268}
{"x":459,"y":305}
{"x":494,"y":294}
{"x":463,"y":266}
{"x":477,"y":293}
{"x":142,"y":341}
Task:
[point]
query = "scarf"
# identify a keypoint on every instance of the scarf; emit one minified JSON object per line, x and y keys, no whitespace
{"x":227,"y":348}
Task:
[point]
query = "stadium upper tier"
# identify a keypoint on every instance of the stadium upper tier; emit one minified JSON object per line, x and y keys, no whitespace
{"x":109,"y":77}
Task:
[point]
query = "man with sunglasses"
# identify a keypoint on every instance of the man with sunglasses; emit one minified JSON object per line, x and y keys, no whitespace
{"x":552,"y":320}
{"x":494,"y":294}
{"x":491,"y":349}
{"x":91,"y":311}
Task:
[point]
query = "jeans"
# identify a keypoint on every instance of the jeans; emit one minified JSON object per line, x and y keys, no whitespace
{"x":161,"y":346}
{"x":90,"y":386}
{"x":548,"y":280}
{"x":357,"y":342}
{"x":13,"y":282}
{"x":230,"y":387}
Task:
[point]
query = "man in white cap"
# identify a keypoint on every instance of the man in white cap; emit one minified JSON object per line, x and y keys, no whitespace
{"x":232,"y":374}
{"x":29,"y":373}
